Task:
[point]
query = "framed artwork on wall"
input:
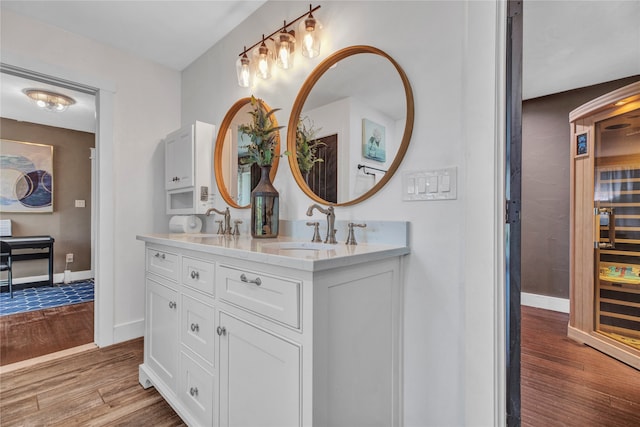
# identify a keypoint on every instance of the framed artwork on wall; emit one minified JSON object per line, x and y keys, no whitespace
{"x":26,"y":177}
{"x":373,"y":141}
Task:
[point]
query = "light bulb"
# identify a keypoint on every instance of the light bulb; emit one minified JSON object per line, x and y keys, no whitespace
{"x":283,"y":55}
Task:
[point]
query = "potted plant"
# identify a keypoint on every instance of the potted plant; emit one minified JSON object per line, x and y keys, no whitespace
{"x":307,"y":146}
{"x":263,"y":133}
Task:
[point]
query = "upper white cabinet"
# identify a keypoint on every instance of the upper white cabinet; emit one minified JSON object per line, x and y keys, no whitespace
{"x":180,"y":158}
{"x":188,"y":169}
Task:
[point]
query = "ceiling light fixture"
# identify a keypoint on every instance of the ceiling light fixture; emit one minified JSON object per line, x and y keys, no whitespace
{"x":50,"y":101}
{"x":279,"y":47}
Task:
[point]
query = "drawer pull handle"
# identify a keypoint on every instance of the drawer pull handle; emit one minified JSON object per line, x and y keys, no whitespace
{"x":195,"y":327}
{"x":172,"y":304}
{"x":257,"y":280}
{"x":195,"y":274}
{"x":158,"y":255}
{"x":221,"y":330}
{"x":193,"y":391}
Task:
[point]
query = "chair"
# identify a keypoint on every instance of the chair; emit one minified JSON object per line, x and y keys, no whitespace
{"x":5,"y":264}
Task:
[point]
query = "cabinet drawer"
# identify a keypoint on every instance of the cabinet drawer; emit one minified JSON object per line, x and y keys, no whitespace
{"x":197,"y":328}
{"x":198,"y":274}
{"x":274,"y":297}
{"x":162,"y":263}
{"x":196,"y":390}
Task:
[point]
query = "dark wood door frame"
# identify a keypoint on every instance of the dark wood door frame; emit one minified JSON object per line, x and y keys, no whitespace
{"x":513,"y":191}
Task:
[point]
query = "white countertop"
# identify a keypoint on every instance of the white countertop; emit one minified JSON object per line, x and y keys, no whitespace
{"x":301,"y":255}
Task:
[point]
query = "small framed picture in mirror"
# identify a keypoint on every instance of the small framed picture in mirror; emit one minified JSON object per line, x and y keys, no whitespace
{"x":373,"y":141}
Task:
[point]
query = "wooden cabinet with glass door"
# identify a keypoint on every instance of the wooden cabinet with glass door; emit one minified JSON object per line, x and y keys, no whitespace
{"x":605,"y":224}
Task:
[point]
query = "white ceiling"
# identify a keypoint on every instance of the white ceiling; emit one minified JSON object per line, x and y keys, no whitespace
{"x":171,"y":33}
{"x":566,"y":44}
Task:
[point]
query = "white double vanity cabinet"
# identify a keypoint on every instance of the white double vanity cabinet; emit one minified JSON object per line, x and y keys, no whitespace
{"x":274,"y":332}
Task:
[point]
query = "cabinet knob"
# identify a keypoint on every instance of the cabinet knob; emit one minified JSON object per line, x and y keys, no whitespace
{"x":193,"y":391}
{"x":195,"y":327}
{"x":159,"y":255}
{"x":195,"y":274}
{"x":172,"y":304}
{"x":257,"y":280}
{"x":221,"y":330}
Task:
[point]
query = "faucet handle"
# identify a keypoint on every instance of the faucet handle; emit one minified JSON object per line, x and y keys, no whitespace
{"x":236,"y":230}
{"x":316,"y":231}
{"x":220,"y":228}
{"x":351,"y":238}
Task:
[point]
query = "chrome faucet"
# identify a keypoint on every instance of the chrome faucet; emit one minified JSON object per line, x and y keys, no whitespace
{"x":331,"y":221}
{"x":227,"y":219}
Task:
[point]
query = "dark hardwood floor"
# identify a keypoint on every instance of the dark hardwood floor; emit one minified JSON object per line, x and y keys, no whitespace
{"x":27,"y":335}
{"x":563,"y":384}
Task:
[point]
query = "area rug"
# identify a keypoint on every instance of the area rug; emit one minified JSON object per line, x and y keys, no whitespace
{"x":29,"y":299}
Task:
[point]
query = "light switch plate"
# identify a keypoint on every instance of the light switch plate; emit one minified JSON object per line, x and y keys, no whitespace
{"x":80,"y":204}
{"x":438,"y":184}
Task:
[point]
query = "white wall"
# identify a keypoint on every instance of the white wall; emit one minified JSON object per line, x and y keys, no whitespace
{"x":448,"y":50}
{"x":145,"y":107}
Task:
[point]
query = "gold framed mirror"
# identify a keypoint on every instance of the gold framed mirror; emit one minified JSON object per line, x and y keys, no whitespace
{"x":359,"y":104}
{"x":234,"y":177}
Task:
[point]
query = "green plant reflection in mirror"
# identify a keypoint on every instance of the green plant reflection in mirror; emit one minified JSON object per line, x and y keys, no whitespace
{"x":360,"y":104}
{"x":233,"y":172}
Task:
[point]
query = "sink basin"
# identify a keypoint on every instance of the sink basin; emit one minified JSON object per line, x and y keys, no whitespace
{"x":298,"y":246}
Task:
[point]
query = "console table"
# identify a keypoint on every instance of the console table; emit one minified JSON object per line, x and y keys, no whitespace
{"x":44,"y":243}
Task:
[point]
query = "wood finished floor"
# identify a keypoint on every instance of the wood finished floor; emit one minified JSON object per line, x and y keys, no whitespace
{"x":563,"y":384}
{"x":98,"y":387}
{"x":35,"y":333}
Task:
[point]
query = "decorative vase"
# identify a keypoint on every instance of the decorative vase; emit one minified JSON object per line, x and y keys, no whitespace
{"x":265,"y":201}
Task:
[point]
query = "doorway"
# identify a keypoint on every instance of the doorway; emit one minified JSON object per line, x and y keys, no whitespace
{"x":102,"y":215}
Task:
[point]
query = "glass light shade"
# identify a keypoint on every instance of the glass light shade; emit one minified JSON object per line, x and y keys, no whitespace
{"x":49,"y":101}
{"x":243,"y":70}
{"x":285,"y":48}
{"x":264,"y":62}
{"x":310,"y":31}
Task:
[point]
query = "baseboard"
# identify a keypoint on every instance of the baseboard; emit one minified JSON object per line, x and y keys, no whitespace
{"x":57,"y":277}
{"x":128,"y":331}
{"x":545,"y":302}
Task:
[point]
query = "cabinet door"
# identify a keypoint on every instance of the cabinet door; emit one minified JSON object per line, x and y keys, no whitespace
{"x":259,"y":376}
{"x":196,"y":390}
{"x":179,"y":159}
{"x":162,"y":332}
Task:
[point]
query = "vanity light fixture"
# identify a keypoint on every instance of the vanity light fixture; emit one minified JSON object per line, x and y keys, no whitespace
{"x":310,"y":30}
{"x":279,"y":47}
{"x":285,"y":48}
{"x":265,"y":61}
{"x":50,"y":101}
{"x":243,"y":70}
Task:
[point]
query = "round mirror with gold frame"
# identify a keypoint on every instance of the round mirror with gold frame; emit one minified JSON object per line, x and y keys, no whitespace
{"x":235,"y":177}
{"x":357,"y":108}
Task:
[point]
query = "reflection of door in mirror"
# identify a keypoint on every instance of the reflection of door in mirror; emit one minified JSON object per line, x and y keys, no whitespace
{"x":235,"y":176}
{"x":235,"y":167}
{"x":322,"y":179}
